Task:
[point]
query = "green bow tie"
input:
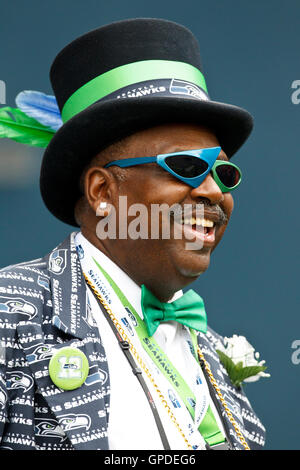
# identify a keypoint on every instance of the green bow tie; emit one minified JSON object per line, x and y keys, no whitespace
{"x":188,"y":310}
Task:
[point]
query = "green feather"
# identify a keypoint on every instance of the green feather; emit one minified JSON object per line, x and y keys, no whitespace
{"x":16,"y":125}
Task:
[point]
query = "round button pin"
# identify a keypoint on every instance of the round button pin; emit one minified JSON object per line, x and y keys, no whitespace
{"x":68,"y":368}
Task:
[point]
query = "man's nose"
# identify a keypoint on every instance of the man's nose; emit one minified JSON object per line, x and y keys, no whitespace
{"x":208,"y":189}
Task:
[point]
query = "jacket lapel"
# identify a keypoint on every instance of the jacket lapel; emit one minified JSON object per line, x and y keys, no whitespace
{"x":81,"y":414}
{"x":207,"y":344}
{"x":68,"y":289}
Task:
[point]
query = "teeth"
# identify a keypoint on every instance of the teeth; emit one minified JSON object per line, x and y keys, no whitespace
{"x":208,"y":223}
{"x":202,"y":222}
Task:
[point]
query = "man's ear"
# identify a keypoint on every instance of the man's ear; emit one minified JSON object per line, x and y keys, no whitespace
{"x":99,"y":188}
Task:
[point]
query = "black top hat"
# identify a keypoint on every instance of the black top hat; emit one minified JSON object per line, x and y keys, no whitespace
{"x":121,"y":78}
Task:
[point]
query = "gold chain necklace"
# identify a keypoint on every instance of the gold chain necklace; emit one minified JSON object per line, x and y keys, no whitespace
{"x":148,"y":374}
{"x":219,"y":393}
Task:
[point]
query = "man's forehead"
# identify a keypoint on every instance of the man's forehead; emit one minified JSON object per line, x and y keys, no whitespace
{"x":171,"y":138}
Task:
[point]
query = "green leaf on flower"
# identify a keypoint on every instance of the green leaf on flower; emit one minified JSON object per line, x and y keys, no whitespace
{"x":237,"y":372}
{"x":250,"y":371}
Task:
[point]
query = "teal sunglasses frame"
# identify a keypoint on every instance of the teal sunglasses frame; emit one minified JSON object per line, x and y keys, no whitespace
{"x":208,"y":155}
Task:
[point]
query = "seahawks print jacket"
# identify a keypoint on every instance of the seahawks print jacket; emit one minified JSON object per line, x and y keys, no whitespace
{"x":43,"y":307}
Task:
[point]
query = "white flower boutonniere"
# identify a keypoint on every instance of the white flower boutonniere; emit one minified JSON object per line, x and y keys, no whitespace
{"x":240,"y":360}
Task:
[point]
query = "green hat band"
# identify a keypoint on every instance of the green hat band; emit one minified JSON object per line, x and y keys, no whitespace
{"x":126,"y":75}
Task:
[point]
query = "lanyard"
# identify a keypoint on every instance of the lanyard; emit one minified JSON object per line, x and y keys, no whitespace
{"x":138,"y":373}
{"x":208,"y":427}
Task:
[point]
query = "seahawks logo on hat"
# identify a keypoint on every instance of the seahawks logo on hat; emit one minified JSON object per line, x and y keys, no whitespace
{"x":180,"y":87}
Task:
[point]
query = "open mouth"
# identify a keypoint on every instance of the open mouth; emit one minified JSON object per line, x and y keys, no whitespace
{"x":205,"y":225}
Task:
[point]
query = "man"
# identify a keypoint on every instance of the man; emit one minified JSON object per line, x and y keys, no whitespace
{"x":101,"y":349}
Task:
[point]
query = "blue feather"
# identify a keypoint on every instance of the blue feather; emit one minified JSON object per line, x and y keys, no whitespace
{"x":41,"y":107}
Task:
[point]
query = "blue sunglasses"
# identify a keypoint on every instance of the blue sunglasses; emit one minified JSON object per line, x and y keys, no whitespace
{"x":192,"y":167}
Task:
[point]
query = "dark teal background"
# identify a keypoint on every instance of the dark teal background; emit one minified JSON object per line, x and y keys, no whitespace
{"x":250,"y":53}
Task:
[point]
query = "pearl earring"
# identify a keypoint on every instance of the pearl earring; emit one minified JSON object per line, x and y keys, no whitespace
{"x":102,"y":210}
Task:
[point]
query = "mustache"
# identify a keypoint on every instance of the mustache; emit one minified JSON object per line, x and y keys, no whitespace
{"x":187,"y":210}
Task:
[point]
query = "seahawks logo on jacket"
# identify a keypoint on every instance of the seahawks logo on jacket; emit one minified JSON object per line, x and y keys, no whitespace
{"x":96,"y":375}
{"x":49,"y":428}
{"x":44,"y":282}
{"x":3,"y":398}
{"x":40,"y":352}
{"x":18,"y":380}
{"x":80,"y":251}
{"x":74,"y":421}
{"x":17,"y":305}
{"x":233,"y":407}
{"x":89,"y":318}
{"x":58,"y":261}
